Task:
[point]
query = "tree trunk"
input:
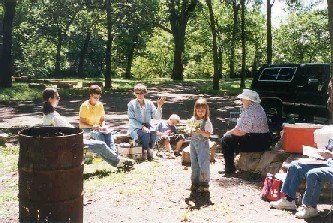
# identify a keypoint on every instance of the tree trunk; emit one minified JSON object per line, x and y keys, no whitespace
{"x":269,"y":32}
{"x":330,"y":87}
{"x":220,"y":58}
{"x":178,"y":17}
{"x":255,"y":59}
{"x":130,"y":57}
{"x":108,"y":44}
{"x":242,"y":83}
{"x":61,"y":37}
{"x":83,"y":53}
{"x":178,"y":67}
{"x":58,"y":56}
{"x":235,"y":8}
{"x":6,"y":60}
{"x":214,"y":47}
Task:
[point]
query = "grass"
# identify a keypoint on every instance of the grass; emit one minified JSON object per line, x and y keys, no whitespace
{"x":22,"y":92}
{"x":97,"y":176}
{"x":8,"y":180}
{"x":19,"y":91}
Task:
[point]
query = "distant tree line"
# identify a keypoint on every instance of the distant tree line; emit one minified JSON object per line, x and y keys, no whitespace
{"x":156,"y":38}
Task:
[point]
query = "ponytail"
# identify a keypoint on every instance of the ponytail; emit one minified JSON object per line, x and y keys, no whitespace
{"x":47,"y":107}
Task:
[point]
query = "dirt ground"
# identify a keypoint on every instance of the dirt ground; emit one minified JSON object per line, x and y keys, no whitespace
{"x":159,"y":194}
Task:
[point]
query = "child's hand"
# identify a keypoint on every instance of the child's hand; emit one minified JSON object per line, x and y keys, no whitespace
{"x":168,"y":132}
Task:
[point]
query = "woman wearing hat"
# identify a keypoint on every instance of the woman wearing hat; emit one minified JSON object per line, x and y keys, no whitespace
{"x":251,"y":133}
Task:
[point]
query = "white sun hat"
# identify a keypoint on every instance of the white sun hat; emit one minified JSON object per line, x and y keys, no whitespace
{"x":249,"y":95}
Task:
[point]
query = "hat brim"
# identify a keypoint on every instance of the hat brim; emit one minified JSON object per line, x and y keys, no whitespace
{"x":241,"y":96}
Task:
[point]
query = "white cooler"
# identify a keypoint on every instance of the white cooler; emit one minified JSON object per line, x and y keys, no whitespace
{"x":321,"y":136}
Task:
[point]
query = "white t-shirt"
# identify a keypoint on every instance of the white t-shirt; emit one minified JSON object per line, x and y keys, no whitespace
{"x":56,"y":120}
{"x":208,"y":125}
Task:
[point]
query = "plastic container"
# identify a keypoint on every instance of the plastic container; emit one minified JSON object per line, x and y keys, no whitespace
{"x":297,"y":135}
{"x":321,"y":136}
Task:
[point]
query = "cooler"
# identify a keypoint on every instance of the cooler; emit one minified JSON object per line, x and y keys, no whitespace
{"x":321,"y":136}
{"x":297,"y":135}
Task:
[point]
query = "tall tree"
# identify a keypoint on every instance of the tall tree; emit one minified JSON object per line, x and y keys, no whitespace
{"x":138,"y":18}
{"x":108,"y":7}
{"x":330,"y":87}
{"x":179,"y":14}
{"x":269,"y":32}
{"x":83,"y":53}
{"x":235,"y":8}
{"x":212,"y":23}
{"x":6,"y":61}
{"x":243,"y":38}
{"x":60,"y":11}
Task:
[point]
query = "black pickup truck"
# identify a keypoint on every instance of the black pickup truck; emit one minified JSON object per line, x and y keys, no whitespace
{"x":302,"y":88}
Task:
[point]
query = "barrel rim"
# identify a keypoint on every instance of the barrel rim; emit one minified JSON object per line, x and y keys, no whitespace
{"x":21,"y":132}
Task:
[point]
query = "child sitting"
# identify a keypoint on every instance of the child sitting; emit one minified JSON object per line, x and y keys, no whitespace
{"x":167,"y":134}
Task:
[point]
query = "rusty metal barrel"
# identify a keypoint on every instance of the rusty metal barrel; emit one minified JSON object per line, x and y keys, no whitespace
{"x":51,"y":174}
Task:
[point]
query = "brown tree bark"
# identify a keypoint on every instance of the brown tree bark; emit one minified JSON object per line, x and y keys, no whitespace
{"x":242,"y":82}
{"x":178,"y":17}
{"x":6,"y":60}
{"x":269,"y":32}
{"x":108,"y":44}
{"x":83,"y":53}
{"x":235,"y":8}
{"x":130,"y":56}
{"x":214,"y":47}
{"x":61,"y":36}
{"x":330,"y":87}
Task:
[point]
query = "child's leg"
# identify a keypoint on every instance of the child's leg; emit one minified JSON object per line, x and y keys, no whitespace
{"x":179,"y":145}
{"x":204,"y":163}
{"x":167,"y":145}
{"x":194,"y":165}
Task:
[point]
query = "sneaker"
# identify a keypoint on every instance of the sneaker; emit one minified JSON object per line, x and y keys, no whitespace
{"x":176,"y":153}
{"x":125,"y":162}
{"x":306,"y":212}
{"x":283,"y":203}
{"x":193,"y":188}
{"x":203,"y":189}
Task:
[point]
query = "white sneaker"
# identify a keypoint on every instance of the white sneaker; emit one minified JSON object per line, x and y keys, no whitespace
{"x":306,"y":212}
{"x":283,"y":203}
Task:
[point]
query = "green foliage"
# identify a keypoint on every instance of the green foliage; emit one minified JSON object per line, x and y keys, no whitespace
{"x":156,"y":60}
{"x":19,"y":91}
{"x":40,"y":26}
{"x":133,"y":26}
{"x":303,"y":39}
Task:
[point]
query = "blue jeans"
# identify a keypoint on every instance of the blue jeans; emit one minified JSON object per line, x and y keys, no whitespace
{"x":103,"y":145}
{"x":200,"y":161}
{"x":314,"y":176}
{"x":148,"y":139}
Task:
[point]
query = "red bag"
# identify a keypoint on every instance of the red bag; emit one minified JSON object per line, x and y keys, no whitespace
{"x":271,"y":189}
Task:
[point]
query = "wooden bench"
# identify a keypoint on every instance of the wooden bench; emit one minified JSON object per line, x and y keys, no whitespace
{"x":88,"y":84}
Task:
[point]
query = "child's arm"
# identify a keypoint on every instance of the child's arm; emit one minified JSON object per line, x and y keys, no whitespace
{"x":205,"y":134}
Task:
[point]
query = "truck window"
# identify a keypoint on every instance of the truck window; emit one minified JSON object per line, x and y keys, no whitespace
{"x":286,"y":73}
{"x":277,"y":74}
{"x":269,"y":74}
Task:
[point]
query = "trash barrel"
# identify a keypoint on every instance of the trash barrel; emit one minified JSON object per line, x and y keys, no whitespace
{"x":50,"y":174}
